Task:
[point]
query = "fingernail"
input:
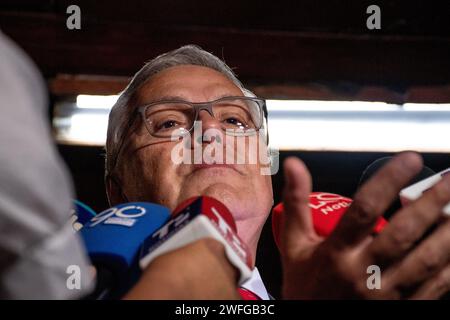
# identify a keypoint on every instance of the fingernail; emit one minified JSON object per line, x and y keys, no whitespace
{"x":286,"y":176}
{"x":411,"y":164}
{"x":446,"y":181}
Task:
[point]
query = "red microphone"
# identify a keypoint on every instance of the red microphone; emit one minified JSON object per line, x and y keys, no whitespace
{"x":326,"y":210}
{"x":194,"y":219}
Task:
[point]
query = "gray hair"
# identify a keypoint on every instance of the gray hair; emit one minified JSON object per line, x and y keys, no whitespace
{"x":120,"y":115}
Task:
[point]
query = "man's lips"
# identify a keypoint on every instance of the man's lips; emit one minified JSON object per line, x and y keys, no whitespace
{"x":204,"y":166}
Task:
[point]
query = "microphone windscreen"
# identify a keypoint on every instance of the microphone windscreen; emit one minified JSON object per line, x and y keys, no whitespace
{"x":327,"y":210}
{"x":198,"y":218}
{"x":114,"y":236}
{"x":377,"y":165}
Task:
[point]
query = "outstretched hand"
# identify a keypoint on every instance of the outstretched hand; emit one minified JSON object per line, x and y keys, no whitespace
{"x":336,"y":267}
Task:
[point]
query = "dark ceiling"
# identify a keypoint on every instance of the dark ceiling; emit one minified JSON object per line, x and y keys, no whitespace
{"x":267,"y":42}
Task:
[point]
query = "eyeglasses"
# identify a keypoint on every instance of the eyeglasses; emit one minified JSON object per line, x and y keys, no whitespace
{"x":236,"y":115}
{"x":240,"y":115}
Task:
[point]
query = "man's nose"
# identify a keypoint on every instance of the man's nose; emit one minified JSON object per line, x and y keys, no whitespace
{"x":210,"y":128}
{"x":207,"y":120}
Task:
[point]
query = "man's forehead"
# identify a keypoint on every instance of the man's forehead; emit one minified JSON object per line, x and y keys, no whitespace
{"x":187,"y":82}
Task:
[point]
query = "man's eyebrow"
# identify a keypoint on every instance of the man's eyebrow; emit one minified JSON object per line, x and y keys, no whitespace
{"x":176,"y":98}
{"x":164,"y":98}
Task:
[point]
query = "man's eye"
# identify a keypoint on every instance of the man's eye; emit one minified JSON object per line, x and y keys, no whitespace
{"x":169,"y":124}
{"x":236,"y":122}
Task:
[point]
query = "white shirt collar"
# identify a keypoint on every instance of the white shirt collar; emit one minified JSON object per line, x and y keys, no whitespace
{"x":256,"y":285}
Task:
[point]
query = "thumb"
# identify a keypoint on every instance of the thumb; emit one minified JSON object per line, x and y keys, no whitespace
{"x":297,"y":224}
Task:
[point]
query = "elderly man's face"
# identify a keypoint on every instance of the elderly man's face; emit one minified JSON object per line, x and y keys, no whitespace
{"x":149,"y":174}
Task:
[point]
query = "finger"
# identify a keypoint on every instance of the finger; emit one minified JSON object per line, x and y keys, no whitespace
{"x":434,"y":288}
{"x":424,"y":262}
{"x":374,"y":197}
{"x":297,"y":221}
{"x":410,"y":224}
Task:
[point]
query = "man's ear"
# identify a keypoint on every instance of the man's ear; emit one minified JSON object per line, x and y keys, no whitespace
{"x":114,"y":191}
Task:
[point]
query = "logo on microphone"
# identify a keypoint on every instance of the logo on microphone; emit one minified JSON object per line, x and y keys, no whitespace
{"x":229,"y":234}
{"x":172,"y":225}
{"x":328,"y":202}
{"x":125,"y":215}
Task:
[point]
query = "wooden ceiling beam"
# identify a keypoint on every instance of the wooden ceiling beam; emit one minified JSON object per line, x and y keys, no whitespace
{"x":257,"y":56}
{"x":65,"y":84}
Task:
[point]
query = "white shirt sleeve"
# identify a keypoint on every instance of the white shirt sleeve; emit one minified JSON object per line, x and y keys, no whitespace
{"x":37,"y":246}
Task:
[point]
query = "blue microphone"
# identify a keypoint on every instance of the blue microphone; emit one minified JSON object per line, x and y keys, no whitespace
{"x":113,"y":239}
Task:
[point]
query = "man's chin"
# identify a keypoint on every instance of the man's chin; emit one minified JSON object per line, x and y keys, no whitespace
{"x":205,"y":171}
{"x":220,"y":191}
{"x":225,"y":193}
